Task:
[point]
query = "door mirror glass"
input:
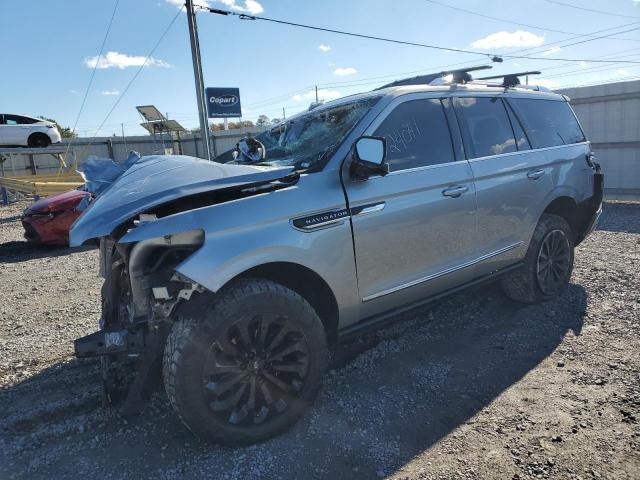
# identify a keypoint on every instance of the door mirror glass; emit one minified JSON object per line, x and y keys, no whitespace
{"x":369,"y":155}
{"x":370,"y":149}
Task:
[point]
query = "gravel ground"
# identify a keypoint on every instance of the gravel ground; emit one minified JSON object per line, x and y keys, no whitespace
{"x":474,"y":387}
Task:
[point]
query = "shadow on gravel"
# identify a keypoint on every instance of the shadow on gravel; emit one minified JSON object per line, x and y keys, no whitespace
{"x":9,"y":219}
{"x":23,"y":251}
{"x":615,"y":218}
{"x":385,"y":401}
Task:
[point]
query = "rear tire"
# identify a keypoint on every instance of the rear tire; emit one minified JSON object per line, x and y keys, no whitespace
{"x":547,"y":265}
{"x":39,"y":140}
{"x":244,"y":365}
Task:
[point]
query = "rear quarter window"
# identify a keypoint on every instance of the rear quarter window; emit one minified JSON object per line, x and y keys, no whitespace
{"x":548,"y":123}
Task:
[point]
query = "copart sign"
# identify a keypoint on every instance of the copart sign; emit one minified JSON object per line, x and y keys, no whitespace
{"x":223,"y":102}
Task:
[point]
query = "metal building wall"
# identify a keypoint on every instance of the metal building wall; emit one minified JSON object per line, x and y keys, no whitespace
{"x":610,"y":116}
{"x":118,"y":148}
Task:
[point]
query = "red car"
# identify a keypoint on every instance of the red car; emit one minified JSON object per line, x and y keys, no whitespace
{"x":48,"y":220}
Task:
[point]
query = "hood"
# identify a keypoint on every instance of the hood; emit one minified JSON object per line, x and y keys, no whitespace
{"x":159,"y":179}
{"x":55,"y":202}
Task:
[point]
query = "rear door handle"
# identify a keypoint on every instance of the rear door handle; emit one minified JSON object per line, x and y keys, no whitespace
{"x":535,"y":174}
{"x":455,"y":192}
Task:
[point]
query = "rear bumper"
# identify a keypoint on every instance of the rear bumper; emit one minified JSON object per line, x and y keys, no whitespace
{"x":591,"y":209}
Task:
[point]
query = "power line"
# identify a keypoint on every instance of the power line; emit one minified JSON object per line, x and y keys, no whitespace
{"x":590,"y":9}
{"x":504,"y":20}
{"x":166,"y":30}
{"x":347,"y":84}
{"x":243,"y":16}
{"x":93,"y":74}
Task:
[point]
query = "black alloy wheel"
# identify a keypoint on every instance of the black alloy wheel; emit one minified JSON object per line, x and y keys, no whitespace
{"x":554,"y":260}
{"x":255,"y":369}
{"x":244,"y":364}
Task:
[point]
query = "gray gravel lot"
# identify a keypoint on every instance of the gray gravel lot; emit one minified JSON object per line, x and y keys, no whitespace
{"x":474,"y":387}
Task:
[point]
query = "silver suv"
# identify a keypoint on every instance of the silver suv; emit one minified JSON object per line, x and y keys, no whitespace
{"x":238,"y":275}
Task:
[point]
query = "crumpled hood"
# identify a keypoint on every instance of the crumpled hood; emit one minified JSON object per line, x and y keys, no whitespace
{"x":158,"y":179}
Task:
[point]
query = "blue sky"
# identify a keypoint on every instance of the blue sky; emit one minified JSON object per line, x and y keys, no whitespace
{"x":49,"y":49}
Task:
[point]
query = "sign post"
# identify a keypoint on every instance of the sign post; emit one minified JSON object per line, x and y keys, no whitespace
{"x":197,"y":73}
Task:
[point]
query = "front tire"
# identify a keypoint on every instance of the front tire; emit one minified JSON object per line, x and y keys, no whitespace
{"x":547,"y":265}
{"x":244,"y":365}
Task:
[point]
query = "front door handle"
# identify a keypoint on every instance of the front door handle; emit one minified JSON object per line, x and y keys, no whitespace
{"x":455,"y":192}
{"x":535,"y":174}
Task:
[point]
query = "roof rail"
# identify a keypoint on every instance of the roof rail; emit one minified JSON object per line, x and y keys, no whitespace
{"x":460,"y":75}
{"x":511,"y":79}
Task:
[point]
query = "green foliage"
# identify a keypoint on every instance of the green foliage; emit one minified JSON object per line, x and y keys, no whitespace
{"x":65,"y":132}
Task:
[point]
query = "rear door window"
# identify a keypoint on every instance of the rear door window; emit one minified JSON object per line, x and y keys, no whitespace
{"x":417,"y":135}
{"x":486,"y":128}
{"x":11,"y":120}
{"x":548,"y":123}
{"x":19,"y":120}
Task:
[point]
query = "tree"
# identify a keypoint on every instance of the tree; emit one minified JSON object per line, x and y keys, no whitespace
{"x":275,"y":121}
{"x":262,"y":121}
{"x":65,"y":132}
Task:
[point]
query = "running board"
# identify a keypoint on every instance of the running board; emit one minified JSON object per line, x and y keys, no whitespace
{"x":390,"y":316}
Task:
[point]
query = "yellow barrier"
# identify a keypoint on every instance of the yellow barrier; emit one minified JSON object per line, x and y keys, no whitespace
{"x":40,"y":186}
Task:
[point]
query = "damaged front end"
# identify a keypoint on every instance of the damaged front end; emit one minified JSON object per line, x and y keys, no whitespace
{"x":139,"y":296}
{"x":147,"y":227}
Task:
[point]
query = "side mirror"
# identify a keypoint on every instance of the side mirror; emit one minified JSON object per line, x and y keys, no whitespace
{"x":369,"y":155}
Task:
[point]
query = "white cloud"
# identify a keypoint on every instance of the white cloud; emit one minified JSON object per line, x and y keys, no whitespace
{"x":551,"y":51}
{"x":110,"y":92}
{"x":249,"y":6}
{"x":622,"y":72}
{"x":519,"y":38}
{"x":252,"y":7}
{"x":323,"y":94}
{"x":326,"y":48}
{"x":122,"y":60}
{"x":196,"y":3}
{"x":343,"y":72}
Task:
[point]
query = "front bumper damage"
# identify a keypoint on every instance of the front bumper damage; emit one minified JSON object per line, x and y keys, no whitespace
{"x":139,"y":297}
{"x":110,"y":342}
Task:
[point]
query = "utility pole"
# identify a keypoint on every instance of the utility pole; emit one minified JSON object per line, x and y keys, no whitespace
{"x":124,"y":139}
{"x":316,"y":94}
{"x":197,"y":73}
{"x":284,"y":115}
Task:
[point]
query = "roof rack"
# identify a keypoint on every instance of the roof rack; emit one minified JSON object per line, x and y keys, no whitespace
{"x":460,"y":75}
{"x":418,"y":80}
{"x":511,"y":79}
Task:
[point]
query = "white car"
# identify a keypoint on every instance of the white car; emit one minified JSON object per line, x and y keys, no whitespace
{"x":19,"y":130}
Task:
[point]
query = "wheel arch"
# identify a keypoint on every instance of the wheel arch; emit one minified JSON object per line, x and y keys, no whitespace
{"x":307,"y":283}
{"x":37,"y":134}
{"x":566,"y":207}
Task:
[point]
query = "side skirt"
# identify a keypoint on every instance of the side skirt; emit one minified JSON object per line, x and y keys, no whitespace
{"x":390,"y":316}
